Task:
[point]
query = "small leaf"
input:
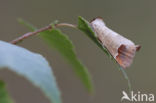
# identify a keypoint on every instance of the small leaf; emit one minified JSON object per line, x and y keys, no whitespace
{"x":4,"y":97}
{"x":28,"y":25}
{"x":32,"y":66}
{"x":84,"y":26}
{"x":56,"y":39}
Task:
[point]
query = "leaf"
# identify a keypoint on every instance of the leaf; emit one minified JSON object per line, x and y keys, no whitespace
{"x":32,"y":66}
{"x":4,"y":97}
{"x":84,"y":26}
{"x":26,"y":24}
{"x":56,"y":39}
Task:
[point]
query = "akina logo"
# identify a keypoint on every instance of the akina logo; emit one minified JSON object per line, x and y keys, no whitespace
{"x":137,"y":97}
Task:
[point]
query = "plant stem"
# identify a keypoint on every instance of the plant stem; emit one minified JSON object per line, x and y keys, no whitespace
{"x":26,"y":35}
{"x":65,"y":24}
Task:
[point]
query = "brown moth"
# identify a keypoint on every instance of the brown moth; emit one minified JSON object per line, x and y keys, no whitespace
{"x":121,"y":48}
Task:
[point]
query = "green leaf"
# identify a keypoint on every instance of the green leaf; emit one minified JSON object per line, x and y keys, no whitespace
{"x":84,"y":26}
{"x":4,"y":97}
{"x":32,"y":66}
{"x":26,"y":24}
{"x":56,"y":39}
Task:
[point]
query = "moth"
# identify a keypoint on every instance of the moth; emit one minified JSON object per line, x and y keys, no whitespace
{"x":122,"y":49}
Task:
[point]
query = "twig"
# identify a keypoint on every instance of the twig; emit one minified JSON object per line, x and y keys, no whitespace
{"x":26,"y":35}
{"x":65,"y":24}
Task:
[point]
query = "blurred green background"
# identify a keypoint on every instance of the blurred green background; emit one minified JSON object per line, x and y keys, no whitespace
{"x":134,"y":19}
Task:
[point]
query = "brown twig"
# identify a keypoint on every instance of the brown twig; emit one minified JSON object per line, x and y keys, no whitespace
{"x":26,"y":35}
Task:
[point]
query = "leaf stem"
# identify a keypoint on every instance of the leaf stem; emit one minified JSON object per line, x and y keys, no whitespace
{"x":29,"y":34}
{"x":65,"y":24}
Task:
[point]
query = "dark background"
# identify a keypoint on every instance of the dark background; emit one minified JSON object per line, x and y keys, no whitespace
{"x":135,"y":19}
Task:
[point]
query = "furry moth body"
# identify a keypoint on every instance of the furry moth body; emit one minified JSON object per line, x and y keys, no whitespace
{"x":121,"y":48}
